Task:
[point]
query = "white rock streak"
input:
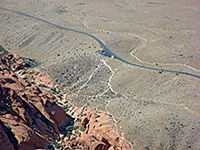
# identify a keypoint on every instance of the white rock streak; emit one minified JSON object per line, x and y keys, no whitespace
{"x":90,"y":77}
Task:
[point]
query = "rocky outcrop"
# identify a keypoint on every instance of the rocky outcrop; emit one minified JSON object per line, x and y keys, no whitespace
{"x":37,"y":77}
{"x":96,"y":132}
{"x":4,"y":140}
{"x":12,"y":62}
{"x":30,"y":113}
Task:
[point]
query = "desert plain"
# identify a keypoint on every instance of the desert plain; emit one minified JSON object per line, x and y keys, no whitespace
{"x":155,"y":110}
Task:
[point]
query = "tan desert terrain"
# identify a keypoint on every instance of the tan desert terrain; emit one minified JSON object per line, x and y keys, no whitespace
{"x":156,"y":110}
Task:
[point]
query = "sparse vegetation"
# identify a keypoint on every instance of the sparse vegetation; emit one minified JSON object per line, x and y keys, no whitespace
{"x":22,"y":90}
{"x":43,"y":85}
{"x":82,"y":129}
{"x":25,"y":78}
{"x":60,"y":95}
{"x":60,"y":103}
{"x":31,"y":62}
{"x":65,"y":107}
{"x":58,"y":146}
{"x":5,"y":52}
{"x":55,"y":144}
{"x":54,"y":91}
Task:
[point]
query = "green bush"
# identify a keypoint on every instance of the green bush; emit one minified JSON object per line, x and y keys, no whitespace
{"x":5,"y":52}
{"x":42,"y":85}
{"x":65,"y":107}
{"x":69,"y":128}
{"x":31,"y":63}
{"x":53,"y":142}
{"x":58,"y":146}
{"x":82,"y":129}
{"x":25,"y":78}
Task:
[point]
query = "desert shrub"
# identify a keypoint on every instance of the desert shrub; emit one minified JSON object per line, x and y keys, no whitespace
{"x":30,"y":62}
{"x":5,"y":52}
{"x":58,"y":146}
{"x":82,"y":129}
{"x":42,"y":85}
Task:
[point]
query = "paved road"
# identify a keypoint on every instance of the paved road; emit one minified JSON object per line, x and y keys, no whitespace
{"x":106,"y":51}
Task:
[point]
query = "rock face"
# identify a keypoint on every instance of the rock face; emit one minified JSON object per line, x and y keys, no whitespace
{"x":4,"y":140}
{"x":37,"y":77}
{"x":30,"y":116}
{"x":31,"y":119}
{"x":98,"y":134}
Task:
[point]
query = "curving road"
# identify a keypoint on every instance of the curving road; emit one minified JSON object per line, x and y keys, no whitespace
{"x":106,"y":51}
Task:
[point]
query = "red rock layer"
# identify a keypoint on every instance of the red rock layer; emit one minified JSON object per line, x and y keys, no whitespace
{"x":98,"y":134}
{"x":30,"y":117}
{"x":37,"y":77}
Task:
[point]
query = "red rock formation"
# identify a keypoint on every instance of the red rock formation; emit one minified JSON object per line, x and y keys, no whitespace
{"x":37,"y":77}
{"x":98,"y":134}
{"x":4,"y":140}
{"x":31,"y":114}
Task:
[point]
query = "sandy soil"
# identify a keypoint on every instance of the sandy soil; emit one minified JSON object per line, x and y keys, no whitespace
{"x":155,"y":110}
